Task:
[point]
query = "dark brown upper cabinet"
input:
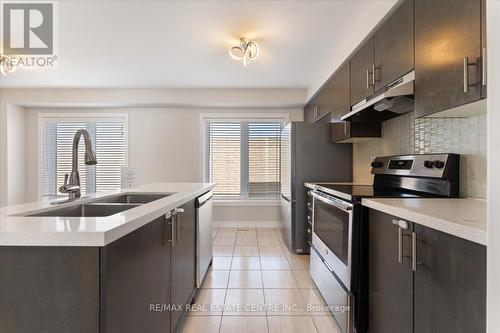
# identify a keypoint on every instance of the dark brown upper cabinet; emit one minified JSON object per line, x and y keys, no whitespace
{"x":317,"y":109}
{"x":362,"y":68}
{"x":448,"y":61}
{"x":335,"y":94}
{"x":394,"y":46}
{"x":312,"y":110}
{"x":309,"y":113}
{"x":351,"y":132}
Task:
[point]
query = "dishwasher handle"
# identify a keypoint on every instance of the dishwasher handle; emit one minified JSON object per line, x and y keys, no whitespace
{"x":203,"y":199}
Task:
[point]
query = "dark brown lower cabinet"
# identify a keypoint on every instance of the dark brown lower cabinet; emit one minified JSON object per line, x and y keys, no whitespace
{"x":183,"y":262}
{"x":49,"y":289}
{"x":450,"y":284}
{"x":138,"y":283}
{"x":135,"y":275}
{"x":390,"y":282}
{"x":445,"y":293}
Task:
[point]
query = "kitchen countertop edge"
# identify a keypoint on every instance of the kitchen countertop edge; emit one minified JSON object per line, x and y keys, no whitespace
{"x":127,"y":222}
{"x":420,"y":211}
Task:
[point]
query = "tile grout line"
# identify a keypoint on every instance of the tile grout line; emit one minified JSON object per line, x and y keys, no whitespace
{"x":227,"y":283}
{"x":262,"y":278}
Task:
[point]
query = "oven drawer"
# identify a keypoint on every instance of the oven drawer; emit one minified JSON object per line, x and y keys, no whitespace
{"x":333,"y":292}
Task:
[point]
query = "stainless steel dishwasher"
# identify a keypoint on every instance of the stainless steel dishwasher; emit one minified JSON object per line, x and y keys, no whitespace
{"x":204,"y":253}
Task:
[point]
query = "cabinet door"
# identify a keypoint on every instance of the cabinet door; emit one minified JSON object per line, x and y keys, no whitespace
{"x":135,"y":276}
{"x":447,"y":54}
{"x":341,"y":131}
{"x":362,"y":66}
{"x":183,"y":261}
{"x":309,"y":113}
{"x":390,"y":282}
{"x":336,"y":99}
{"x":394,"y":46}
{"x":450,"y":284}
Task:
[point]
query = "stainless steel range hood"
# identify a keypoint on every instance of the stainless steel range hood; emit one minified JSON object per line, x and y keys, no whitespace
{"x":397,"y":98}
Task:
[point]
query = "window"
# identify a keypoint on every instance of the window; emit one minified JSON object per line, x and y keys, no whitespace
{"x":243,"y":157}
{"x":109,"y":140}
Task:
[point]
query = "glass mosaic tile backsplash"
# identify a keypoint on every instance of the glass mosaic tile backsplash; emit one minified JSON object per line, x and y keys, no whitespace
{"x":407,"y":135}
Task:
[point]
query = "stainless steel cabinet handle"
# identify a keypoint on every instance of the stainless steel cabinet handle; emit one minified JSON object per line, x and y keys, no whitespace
{"x":368,"y":84}
{"x":414,"y":251}
{"x":400,"y":245}
{"x":466,"y":74}
{"x":373,"y":75}
{"x":484,"y":66}
{"x":170,"y":216}
{"x":402,"y":225}
{"x":177,"y":212}
{"x":345,"y":127}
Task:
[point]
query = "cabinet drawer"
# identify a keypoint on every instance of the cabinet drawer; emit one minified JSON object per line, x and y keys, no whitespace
{"x":333,"y":292}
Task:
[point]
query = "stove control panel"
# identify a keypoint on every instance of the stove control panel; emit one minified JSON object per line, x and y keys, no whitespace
{"x":426,"y":165}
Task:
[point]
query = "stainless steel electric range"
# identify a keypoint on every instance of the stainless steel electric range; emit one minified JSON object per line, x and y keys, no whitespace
{"x":339,"y":225}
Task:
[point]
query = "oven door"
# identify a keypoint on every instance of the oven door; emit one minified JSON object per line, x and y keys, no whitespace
{"x":332,"y":233}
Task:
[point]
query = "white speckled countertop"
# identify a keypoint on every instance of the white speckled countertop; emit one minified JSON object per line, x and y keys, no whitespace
{"x":90,"y":231}
{"x":464,"y":218}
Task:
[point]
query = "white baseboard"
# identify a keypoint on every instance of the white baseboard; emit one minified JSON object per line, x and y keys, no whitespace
{"x":247,"y":224}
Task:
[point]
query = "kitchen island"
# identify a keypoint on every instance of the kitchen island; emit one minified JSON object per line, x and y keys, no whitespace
{"x":85,"y":272}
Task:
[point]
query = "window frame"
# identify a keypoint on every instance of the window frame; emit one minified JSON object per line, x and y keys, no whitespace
{"x":71,"y":116}
{"x":204,"y":118}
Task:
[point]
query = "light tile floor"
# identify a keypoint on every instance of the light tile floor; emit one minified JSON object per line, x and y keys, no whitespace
{"x":257,"y":285}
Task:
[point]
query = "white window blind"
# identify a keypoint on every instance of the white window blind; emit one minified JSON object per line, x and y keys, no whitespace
{"x":109,"y":140}
{"x":243,"y":157}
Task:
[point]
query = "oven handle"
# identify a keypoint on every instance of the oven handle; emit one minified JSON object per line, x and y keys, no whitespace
{"x":345,"y":207}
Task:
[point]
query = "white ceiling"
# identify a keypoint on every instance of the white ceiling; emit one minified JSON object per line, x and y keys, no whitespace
{"x":184,"y":44}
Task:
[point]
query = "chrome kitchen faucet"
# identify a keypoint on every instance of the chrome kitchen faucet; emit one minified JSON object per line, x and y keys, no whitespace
{"x":72,"y":185}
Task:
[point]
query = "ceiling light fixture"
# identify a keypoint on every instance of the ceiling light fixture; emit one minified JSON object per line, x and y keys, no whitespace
{"x":6,"y":65}
{"x":247,"y":51}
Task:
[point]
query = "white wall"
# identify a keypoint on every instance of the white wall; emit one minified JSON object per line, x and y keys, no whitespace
{"x":493,"y":10}
{"x":366,"y":20}
{"x":165,"y":144}
{"x":16,"y":155}
{"x":169,"y":112}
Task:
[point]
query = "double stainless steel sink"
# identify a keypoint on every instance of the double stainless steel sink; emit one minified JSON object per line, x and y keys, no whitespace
{"x":106,"y":206}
